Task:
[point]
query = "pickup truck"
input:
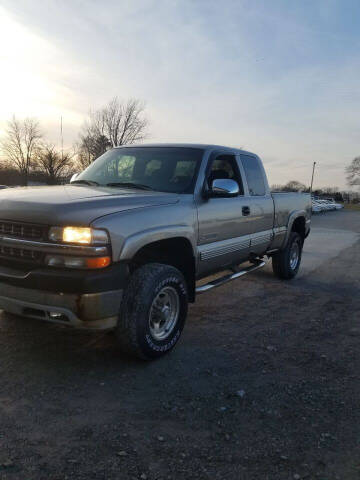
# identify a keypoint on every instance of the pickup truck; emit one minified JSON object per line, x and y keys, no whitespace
{"x":139,"y":234}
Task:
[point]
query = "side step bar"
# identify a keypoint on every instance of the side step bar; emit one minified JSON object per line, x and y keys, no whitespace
{"x":230,"y":277}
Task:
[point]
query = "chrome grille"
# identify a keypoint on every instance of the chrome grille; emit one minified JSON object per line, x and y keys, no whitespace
{"x":22,"y":230}
{"x":20,"y":253}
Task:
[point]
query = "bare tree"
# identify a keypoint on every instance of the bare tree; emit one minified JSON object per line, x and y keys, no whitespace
{"x":292,"y":186}
{"x":118,"y":123}
{"x":54,"y":164}
{"x":123,"y":122}
{"x":353,"y":173}
{"x":90,"y":148}
{"x":295,"y":186}
{"x":20,"y":144}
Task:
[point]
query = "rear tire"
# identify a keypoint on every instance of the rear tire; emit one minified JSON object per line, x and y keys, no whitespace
{"x":286,"y":263}
{"x":153,"y":311}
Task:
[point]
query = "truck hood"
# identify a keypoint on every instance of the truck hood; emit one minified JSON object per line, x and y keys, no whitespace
{"x":74,"y":204}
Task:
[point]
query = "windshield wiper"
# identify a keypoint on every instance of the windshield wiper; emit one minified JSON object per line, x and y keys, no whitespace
{"x":140,"y":186}
{"x":85,"y":182}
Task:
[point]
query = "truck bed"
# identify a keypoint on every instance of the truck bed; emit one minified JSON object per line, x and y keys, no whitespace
{"x":287,"y":202}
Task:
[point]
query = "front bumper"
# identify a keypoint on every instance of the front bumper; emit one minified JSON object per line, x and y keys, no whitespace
{"x":94,"y":311}
{"x":81,"y":298}
{"x":62,"y":280}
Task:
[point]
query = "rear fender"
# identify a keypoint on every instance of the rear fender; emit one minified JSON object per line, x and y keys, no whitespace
{"x":293,"y":216}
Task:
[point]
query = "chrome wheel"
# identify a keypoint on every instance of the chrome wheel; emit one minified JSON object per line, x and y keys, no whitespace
{"x":164,"y":313}
{"x":294,"y":255}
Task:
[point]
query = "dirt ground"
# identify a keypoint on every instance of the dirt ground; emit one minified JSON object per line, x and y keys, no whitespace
{"x":263,"y":385}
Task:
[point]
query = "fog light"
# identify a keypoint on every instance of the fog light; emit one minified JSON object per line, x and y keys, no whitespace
{"x":77,"y":262}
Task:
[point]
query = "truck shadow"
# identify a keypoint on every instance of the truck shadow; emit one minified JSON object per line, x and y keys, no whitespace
{"x":50,"y":344}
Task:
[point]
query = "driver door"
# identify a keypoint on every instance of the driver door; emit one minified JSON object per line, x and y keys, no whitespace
{"x":225,"y":224}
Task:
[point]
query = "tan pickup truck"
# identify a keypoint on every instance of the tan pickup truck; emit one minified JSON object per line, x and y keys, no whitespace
{"x":125,"y":245}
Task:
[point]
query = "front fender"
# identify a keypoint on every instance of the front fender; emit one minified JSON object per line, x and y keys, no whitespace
{"x":140,"y":239}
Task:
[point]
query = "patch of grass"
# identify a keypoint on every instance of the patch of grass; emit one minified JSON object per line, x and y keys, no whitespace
{"x":352,"y":206}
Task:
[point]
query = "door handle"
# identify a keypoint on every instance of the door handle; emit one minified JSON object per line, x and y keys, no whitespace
{"x":246,"y":211}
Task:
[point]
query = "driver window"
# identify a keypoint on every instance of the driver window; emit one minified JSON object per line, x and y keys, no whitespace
{"x":224,"y":166}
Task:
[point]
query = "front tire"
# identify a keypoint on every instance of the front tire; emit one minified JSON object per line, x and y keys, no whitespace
{"x":286,"y":263}
{"x":153,"y":311}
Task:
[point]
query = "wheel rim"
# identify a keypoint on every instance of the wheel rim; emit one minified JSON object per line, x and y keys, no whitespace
{"x":294,"y":255}
{"x":164,"y":313}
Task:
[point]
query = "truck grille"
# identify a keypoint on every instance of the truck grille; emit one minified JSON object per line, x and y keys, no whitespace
{"x":20,"y":254}
{"x":22,"y":230}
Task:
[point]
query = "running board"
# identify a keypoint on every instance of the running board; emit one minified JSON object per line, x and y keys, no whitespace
{"x":230,"y":277}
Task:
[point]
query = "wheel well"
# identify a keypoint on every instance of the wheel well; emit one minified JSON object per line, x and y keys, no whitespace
{"x":299,"y":226}
{"x":176,"y":251}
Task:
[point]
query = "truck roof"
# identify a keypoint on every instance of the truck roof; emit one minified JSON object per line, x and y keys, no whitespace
{"x":202,"y":146}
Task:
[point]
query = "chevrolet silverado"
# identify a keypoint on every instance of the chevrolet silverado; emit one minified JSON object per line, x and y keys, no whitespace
{"x":139,"y":234}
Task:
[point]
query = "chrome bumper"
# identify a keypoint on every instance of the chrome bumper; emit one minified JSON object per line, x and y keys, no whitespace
{"x":94,"y":311}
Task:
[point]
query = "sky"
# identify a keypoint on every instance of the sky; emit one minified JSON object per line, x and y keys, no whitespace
{"x":279,"y":78}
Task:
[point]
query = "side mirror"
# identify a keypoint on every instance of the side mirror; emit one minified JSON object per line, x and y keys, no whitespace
{"x":224,"y":187}
{"x":74,"y":177}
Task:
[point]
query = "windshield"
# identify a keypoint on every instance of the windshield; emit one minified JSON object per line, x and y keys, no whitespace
{"x":166,"y":169}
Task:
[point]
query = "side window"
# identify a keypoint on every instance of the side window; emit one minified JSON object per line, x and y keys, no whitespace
{"x":254,"y":175}
{"x":224,"y":166}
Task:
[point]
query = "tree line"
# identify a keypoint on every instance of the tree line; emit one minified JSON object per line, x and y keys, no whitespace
{"x":329,"y":192}
{"x":26,"y":155}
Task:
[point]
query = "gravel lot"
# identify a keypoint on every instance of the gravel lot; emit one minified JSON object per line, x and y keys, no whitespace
{"x":264,"y":384}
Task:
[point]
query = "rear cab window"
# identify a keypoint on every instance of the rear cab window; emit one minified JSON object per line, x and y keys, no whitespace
{"x":254,"y":175}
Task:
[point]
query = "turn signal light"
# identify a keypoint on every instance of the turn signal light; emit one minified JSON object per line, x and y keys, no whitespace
{"x":98,"y":262}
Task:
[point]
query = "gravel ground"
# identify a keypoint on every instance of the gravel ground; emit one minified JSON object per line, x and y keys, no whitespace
{"x":264,"y":384}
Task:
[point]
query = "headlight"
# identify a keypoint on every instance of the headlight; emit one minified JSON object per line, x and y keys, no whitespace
{"x":79,"y":235}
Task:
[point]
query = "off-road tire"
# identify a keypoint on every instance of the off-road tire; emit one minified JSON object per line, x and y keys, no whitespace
{"x":133,"y":328}
{"x":281,"y":261}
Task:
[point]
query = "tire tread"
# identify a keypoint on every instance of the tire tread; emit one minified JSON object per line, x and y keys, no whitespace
{"x":280,"y":261}
{"x":133,"y":305}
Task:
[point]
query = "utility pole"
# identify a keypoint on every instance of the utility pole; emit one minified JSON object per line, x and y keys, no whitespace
{"x":312,"y":178}
{"x":62,"y":139}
